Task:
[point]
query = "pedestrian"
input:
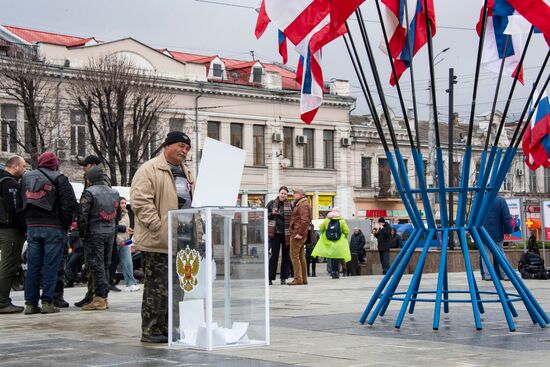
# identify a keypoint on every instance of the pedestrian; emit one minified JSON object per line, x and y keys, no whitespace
{"x":87,"y":164}
{"x":279,"y":213}
{"x":333,"y":243}
{"x":12,"y":230}
{"x":396,"y":241}
{"x":73,"y":268}
{"x":356,"y":246}
{"x":383,"y":235}
{"x":312,"y":239}
{"x":161,"y":184}
{"x":497,"y":224}
{"x":99,"y":212}
{"x":49,"y":206}
{"x":299,"y":226}
{"x":124,"y":234}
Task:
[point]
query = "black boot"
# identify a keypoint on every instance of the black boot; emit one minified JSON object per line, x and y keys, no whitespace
{"x":83,"y":301}
{"x":61,"y":303}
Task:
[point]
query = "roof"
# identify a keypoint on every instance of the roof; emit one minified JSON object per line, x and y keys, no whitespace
{"x":33,"y":36}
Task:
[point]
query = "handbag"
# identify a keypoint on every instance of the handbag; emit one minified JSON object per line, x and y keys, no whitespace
{"x":271,"y":229}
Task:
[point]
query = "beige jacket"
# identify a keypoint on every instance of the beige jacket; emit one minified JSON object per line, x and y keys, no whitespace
{"x":152,"y":195}
{"x":124,"y":221}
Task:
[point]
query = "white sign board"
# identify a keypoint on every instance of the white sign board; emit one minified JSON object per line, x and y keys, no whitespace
{"x":545,"y":207}
{"x":220,"y":174}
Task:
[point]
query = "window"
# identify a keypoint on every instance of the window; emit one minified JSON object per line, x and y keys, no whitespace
{"x":257,"y":75}
{"x":259,"y":145}
{"x":547,"y":180}
{"x":328,"y":148}
{"x":309,"y":147}
{"x":217,"y":71}
{"x":533,"y":181}
{"x":456,"y":174}
{"x":237,"y":135}
{"x":508,"y":182}
{"x":213,"y":130}
{"x":78,"y":133}
{"x":9,"y":128}
{"x":176,"y":124}
{"x":288,"y":144}
{"x":384,"y":176}
{"x":366,"y":172}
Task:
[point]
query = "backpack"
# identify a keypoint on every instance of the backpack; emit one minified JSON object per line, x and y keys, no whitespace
{"x":333,"y":230}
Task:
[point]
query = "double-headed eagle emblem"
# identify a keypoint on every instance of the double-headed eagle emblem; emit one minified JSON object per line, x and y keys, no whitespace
{"x":187,"y":266}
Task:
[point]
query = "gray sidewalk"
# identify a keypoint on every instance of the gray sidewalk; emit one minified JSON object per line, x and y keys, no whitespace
{"x":314,"y":325}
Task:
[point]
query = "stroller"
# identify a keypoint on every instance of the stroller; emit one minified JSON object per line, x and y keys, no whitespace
{"x":531,"y":266}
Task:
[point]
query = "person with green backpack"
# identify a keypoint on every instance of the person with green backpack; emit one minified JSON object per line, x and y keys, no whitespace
{"x":333,"y":243}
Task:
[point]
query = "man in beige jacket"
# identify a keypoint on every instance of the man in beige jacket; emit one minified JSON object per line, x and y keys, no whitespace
{"x":299,"y":226}
{"x":161,"y":184}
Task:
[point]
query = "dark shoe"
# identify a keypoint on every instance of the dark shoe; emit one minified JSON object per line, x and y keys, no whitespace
{"x":283,"y":281}
{"x":314,"y":275}
{"x":335,"y":276}
{"x":487,"y":279}
{"x":114,"y":288}
{"x":83,"y":301}
{"x":61,"y":303}
{"x":11,"y":309}
{"x":270,"y":282}
{"x":49,"y":308}
{"x":31,"y":309}
{"x":155,"y":338}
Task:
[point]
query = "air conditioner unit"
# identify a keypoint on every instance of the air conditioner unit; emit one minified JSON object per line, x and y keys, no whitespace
{"x":519,"y":172}
{"x":277,"y":138}
{"x":61,"y":143}
{"x":300,"y":139}
{"x":345,"y":142}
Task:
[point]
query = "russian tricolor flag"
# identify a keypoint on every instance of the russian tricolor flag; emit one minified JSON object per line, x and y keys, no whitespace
{"x":403,"y":46}
{"x":536,"y":141}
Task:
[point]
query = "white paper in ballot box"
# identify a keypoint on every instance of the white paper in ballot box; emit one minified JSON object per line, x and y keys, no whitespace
{"x":220,"y":174}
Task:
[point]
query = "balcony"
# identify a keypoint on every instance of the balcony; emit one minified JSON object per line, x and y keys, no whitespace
{"x":18,"y":50}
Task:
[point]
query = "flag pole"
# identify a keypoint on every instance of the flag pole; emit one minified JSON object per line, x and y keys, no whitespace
{"x":476,"y":77}
{"x":512,"y":88}
{"x":493,"y":108}
{"x":394,"y":73}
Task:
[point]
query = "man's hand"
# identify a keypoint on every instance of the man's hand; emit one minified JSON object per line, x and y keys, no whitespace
{"x":298,"y":237}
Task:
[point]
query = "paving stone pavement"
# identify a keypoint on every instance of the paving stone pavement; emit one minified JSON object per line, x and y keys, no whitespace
{"x":313,"y":325}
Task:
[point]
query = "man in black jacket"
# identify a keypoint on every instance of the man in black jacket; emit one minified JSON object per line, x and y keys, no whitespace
{"x":49,"y":206}
{"x":383,"y":235}
{"x":12,"y":230}
{"x":99,"y":211}
{"x":356,"y":244}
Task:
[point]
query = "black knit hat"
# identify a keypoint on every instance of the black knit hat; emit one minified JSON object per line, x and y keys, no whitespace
{"x":176,"y":137}
{"x":381,"y":220}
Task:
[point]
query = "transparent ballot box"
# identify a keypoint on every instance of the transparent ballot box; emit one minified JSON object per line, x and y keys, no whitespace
{"x":218,"y":293}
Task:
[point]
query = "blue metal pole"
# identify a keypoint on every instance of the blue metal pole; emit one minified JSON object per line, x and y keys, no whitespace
{"x":384,"y":299}
{"x":415,"y":217}
{"x":463,"y":196}
{"x":470,"y":275}
{"x":528,"y":299}
{"x":440,"y":278}
{"x":416,"y":276}
{"x":496,"y":281}
{"x":419,"y":164}
{"x":386,"y":278}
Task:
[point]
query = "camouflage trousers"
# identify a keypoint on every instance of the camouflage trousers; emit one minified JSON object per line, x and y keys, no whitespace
{"x":154,"y":307}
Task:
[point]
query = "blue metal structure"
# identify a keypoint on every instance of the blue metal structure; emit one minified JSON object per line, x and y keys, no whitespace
{"x":493,"y":168}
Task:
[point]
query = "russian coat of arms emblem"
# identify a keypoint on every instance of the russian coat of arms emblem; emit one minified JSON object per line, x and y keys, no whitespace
{"x":187,"y":267}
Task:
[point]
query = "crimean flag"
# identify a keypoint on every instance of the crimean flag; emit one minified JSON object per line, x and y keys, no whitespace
{"x":499,"y":15}
{"x":403,"y":46}
{"x":536,"y":141}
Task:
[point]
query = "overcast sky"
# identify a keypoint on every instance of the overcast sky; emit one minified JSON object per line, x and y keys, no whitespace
{"x":226,"y":27}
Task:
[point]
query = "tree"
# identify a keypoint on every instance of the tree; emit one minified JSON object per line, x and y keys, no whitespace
{"x":121,"y":104}
{"x":25,"y":77}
